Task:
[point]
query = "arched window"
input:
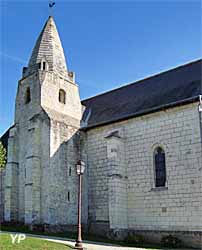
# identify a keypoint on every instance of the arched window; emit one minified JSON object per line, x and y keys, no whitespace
{"x":62,"y":96}
{"x":160,"y":167}
{"x":27,"y":95}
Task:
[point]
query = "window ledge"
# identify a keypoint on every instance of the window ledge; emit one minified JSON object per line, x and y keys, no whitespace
{"x":159,"y":188}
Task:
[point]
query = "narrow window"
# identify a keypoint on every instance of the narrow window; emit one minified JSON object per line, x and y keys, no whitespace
{"x":62,"y":96}
{"x":27,"y":95}
{"x":39,"y":65}
{"x":160,"y":167}
{"x":68,"y":196}
{"x":70,"y":171}
{"x":44,"y":65}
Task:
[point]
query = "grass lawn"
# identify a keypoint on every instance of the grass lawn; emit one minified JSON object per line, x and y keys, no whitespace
{"x":66,"y":235}
{"x":29,"y":244}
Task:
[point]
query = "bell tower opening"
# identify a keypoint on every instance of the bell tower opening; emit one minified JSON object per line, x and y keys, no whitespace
{"x":27,"y":95}
{"x":62,"y":96}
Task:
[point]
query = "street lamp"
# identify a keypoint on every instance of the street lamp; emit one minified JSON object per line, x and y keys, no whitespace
{"x":80,"y":167}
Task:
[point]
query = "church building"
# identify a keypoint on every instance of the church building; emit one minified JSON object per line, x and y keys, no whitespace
{"x":141,"y":143}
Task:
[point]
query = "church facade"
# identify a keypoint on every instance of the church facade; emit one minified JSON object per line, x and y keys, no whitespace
{"x":142,"y":145}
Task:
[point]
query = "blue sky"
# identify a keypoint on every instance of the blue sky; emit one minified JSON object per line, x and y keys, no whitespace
{"x":107,"y":43}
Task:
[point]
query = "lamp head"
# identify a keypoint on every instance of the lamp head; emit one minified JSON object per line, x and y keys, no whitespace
{"x":80,"y":167}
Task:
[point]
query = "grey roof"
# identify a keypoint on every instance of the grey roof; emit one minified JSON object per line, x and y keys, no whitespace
{"x":172,"y":87}
{"x":49,"y":48}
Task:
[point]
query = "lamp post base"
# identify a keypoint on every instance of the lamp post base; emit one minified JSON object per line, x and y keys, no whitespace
{"x":78,"y":245}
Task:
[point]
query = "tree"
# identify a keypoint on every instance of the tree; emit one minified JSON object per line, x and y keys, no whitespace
{"x":2,"y":156}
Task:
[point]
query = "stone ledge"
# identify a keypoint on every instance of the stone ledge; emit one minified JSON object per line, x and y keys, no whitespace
{"x":157,"y":189}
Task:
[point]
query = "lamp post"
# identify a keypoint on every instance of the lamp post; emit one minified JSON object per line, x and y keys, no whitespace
{"x":80,"y":167}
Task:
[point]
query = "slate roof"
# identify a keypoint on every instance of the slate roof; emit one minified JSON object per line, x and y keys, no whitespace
{"x":49,"y":48}
{"x":173,"y":87}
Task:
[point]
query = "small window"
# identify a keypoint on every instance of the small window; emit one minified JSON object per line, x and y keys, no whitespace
{"x":27,"y":96}
{"x":70,"y":171}
{"x":44,"y":65}
{"x":160,"y":167}
{"x":62,"y":96}
{"x":68,"y":196}
{"x":39,"y":65}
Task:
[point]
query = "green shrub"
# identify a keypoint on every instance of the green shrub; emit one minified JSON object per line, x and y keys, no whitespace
{"x":171,"y":241}
{"x":2,"y":156}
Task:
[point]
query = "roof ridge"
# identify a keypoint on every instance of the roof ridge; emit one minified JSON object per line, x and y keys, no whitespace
{"x":146,"y":78}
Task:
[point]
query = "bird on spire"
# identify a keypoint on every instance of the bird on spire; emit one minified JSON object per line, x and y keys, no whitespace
{"x":51,"y":4}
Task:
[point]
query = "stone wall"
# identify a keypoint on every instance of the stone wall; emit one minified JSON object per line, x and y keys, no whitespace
{"x":42,"y":152}
{"x":59,"y":177}
{"x":51,"y":83}
{"x":11,"y":193}
{"x":175,"y":207}
{"x":28,"y":145}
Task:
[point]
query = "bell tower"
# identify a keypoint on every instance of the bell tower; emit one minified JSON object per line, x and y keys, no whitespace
{"x":57,"y":90}
{"x":47,"y":117}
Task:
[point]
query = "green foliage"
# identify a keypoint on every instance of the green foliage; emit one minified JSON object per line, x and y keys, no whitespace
{"x":171,"y":241}
{"x":2,"y":156}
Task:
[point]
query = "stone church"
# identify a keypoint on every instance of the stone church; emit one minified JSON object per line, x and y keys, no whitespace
{"x":141,"y":143}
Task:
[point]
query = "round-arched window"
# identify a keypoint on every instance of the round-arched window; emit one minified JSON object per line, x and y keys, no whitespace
{"x":160,"y":167}
{"x":62,"y":96}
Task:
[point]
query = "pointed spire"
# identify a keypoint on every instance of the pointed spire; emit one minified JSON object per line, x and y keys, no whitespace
{"x":48,"y":49}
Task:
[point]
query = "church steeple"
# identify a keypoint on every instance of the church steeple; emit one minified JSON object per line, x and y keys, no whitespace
{"x":43,"y":144}
{"x":48,"y":53}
